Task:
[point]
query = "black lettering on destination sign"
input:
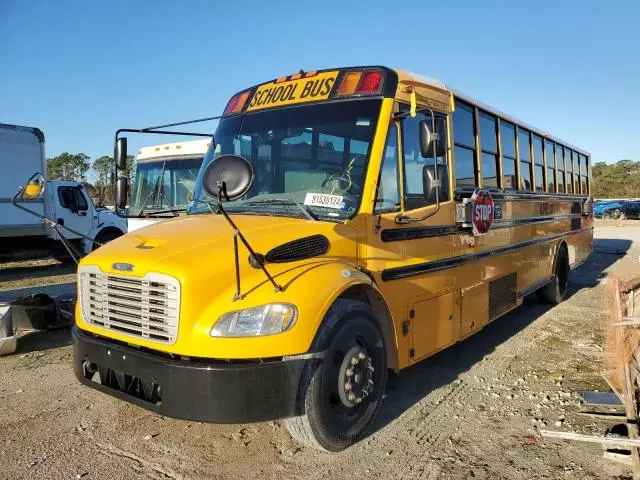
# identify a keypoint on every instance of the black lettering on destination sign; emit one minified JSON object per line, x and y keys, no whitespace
{"x":292,"y":92}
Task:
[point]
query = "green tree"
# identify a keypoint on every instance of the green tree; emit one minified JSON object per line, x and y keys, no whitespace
{"x":616,"y":180}
{"x":103,"y":167}
{"x":68,"y":166}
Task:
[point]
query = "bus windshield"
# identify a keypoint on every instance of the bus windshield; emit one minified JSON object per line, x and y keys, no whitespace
{"x":163,"y":185}
{"x":312,"y":156}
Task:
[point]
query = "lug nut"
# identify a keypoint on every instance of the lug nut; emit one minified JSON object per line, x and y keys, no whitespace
{"x":361,"y":355}
{"x":354,"y":361}
{"x":358,"y":400}
{"x":347,"y":386}
{"x":351,"y":397}
{"x":349,"y":372}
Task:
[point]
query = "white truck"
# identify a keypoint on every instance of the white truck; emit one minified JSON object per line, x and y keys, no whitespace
{"x":66,"y":203}
{"x":164,"y":180}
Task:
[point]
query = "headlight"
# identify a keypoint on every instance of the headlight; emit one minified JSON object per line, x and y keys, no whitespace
{"x":253,"y":322}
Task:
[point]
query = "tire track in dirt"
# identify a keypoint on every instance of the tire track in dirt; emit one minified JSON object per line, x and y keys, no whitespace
{"x":427,"y":435}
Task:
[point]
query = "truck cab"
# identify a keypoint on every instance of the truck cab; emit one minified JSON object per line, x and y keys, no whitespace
{"x":70,"y":205}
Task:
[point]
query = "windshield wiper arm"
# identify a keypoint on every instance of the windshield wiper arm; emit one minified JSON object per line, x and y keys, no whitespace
{"x":275,"y":201}
{"x":212,"y":209}
{"x":169,"y":210}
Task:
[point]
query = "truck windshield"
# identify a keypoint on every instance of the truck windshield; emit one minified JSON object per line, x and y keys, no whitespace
{"x":163,"y":185}
{"x":314,"y":156}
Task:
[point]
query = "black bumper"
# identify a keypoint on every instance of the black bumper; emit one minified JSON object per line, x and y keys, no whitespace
{"x":215,"y":393}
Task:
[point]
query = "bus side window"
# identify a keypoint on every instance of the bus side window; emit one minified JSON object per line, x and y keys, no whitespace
{"x":464,"y":139}
{"x":388,"y":197}
{"x":414,"y":162}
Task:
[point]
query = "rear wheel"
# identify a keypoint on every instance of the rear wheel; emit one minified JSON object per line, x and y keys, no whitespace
{"x":556,"y":291}
{"x":340,"y":395}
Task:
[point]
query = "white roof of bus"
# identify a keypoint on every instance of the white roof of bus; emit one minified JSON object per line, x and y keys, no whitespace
{"x":178,"y":149}
{"x":467,"y":98}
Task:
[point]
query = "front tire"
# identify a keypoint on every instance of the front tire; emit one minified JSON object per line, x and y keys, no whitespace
{"x":105,"y":237}
{"x":340,"y":395}
{"x":556,"y":291}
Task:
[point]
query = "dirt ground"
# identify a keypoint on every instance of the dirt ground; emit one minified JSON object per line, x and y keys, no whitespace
{"x":472,"y":411}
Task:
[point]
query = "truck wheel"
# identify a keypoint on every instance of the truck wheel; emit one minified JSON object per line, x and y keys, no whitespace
{"x":340,"y":395}
{"x":105,"y":237}
{"x":556,"y":291}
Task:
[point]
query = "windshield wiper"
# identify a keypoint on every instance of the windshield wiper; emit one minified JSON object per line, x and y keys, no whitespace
{"x":209,"y":205}
{"x":283,"y":201}
{"x":169,"y":210}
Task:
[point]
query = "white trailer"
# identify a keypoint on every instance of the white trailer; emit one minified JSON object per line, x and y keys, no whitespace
{"x":67,"y":203}
{"x":164,"y":180}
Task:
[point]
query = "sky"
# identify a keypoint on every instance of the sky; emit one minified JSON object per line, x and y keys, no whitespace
{"x":79,"y":70}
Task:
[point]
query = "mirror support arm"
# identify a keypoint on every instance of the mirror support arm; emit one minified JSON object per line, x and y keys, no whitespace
{"x":238,"y":234}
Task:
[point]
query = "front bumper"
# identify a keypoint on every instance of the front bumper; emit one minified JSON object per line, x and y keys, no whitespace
{"x":203,"y":392}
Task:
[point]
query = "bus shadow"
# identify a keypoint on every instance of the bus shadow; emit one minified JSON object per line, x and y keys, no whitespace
{"x":443,"y":368}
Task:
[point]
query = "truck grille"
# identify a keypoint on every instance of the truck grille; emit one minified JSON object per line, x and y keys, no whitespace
{"x":146,"y":307}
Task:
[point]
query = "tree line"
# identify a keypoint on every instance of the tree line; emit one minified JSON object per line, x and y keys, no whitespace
{"x":75,"y":167}
{"x":616,"y":180}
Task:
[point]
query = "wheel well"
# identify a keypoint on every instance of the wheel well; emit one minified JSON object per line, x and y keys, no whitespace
{"x":562,"y":245}
{"x":108,"y":230}
{"x":369,"y":296}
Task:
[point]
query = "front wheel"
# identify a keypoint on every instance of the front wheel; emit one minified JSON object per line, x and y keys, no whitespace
{"x":340,"y":395}
{"x":105,"y":237}
{"x":555,"y":291}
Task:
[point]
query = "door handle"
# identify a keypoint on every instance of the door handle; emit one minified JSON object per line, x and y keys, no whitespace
{"x":82,"y":213}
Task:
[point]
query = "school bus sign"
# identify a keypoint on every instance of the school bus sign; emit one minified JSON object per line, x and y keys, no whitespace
{"x":308,"y":89}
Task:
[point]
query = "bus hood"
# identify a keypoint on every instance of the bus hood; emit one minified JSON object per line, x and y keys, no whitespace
{"x":198,"y":247}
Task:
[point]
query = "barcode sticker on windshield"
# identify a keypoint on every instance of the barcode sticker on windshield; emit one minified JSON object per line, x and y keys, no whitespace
{"x":324,"y":200}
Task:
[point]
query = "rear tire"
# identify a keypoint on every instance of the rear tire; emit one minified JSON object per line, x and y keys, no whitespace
{"x":340,"y":394}
{"x":556,"y":291}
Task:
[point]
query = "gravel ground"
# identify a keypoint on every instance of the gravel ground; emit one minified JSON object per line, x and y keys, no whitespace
{"x":472,"y":411}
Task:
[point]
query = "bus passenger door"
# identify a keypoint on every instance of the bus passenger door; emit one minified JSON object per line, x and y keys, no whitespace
{"x":405,"y":254}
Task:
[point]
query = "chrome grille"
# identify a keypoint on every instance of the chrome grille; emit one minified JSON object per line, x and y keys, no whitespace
{"x":146,"y":307}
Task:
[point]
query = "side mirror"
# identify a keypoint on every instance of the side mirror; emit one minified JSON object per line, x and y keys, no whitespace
{"x":426,"y":139}
{"x":120,"y":153}
{"x":122,"y":191}
{"x":429,"y":139}
{"x":33,"y":189}
{"x":429,"y":183}
{"x":228,"y":177}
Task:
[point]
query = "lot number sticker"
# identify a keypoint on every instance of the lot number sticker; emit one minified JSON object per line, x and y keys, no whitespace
{"x":324,"y":200}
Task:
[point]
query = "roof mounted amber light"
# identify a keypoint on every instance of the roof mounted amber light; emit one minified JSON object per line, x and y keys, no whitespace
{"x":361,"y":83}
{"x":237,"y":103}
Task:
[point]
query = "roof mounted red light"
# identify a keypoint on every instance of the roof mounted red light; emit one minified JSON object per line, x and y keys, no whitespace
{"x":237,"y":103}
{"x":370,"y":82}
{"x":358,"y":82}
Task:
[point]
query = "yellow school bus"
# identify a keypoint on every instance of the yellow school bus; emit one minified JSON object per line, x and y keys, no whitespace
{"x":346,"y":224}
